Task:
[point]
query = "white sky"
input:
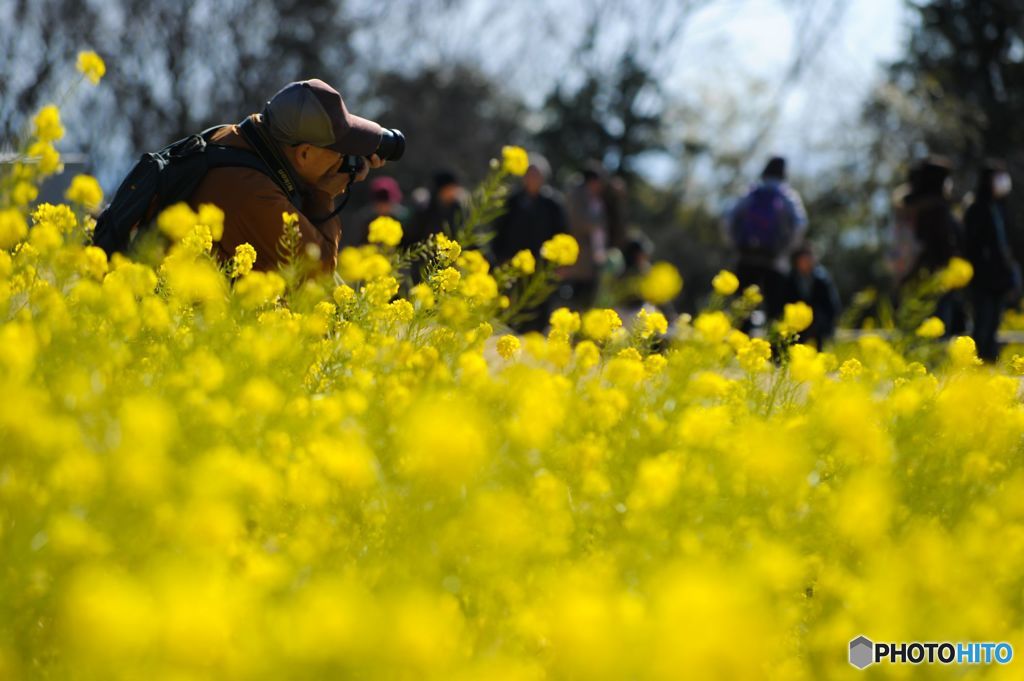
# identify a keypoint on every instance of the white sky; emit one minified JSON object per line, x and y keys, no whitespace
{"x":724,"y":49}
{"x":756,"y":38}
{"x":870,"y":34}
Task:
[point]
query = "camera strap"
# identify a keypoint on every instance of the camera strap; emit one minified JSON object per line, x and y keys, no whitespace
{"x":281,"y":170}
{"x":278,"y":164}
{"x":341,"y":206}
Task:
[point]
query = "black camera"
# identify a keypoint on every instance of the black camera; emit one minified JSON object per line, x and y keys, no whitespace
{"x":391,"y":148}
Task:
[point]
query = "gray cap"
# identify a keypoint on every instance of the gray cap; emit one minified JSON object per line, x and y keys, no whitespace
{"x":312,"y":112}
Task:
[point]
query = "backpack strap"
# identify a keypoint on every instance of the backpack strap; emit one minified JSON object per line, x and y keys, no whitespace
{"x":220,"y":156}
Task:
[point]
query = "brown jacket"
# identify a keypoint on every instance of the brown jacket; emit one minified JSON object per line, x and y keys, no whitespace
{"x":253,"y":204}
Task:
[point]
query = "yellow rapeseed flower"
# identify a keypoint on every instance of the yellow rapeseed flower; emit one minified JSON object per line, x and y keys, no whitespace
{"x":514,"y":160}
{"x":443,"y":442}
{"x":796,"y":317}
{"x":661,"y":284}
{"x":400,"y":310}
{"x":805,"y":363}
{"x":385,"y":230}
{"x":963,"y":352}
{"x":46,"y":124}
{"x":379,"y":291}
{"x":91,"y":66}
{"x":60,"y":216}
{"x":957,"y":274}
{"x":473,"y":262}
{"x":1017,"y":365}
{"x":524,"y":262}
{"x":448,"y":250}
{"x":46,"y":158}
{"x":195,"y":281}
{"x":362,"y":263}
{"x":94,"y":262}
{"x":931,"y":328}
{"x":212,"y":217}
{"x":177,"y":221}
{"x":753,"y":356}
{"x":651,"y":324}
{"x":343,"y":294}
{"x":257,"y":289}
{"x":712,"y":326}
{"x":24,"y":193}
{"x":598,"y":325}
{"x":85,"y":191}
{"x":752,"y":295}
{"x":587,"y":354}
{"x":243,"y":260}
{"x":725,"y":283}
{"x":479,"y":287}
{"x":564,"y":322}
{"x":850,"y":369}
{"x":508,"y":346}
{"x":13,"y":227}
{"x":422,"y":295}
{"x":561,"y":250}
{"x":447,"y":280}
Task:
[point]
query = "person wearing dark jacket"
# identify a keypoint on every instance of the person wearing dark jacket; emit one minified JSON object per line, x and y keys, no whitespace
{"x":996,"y":272}
{"x":810,"y":283}
{"x":533,"y":214}
{"x":939,"y":235}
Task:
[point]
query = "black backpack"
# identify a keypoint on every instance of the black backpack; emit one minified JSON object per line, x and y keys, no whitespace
{"x":172,"y":174}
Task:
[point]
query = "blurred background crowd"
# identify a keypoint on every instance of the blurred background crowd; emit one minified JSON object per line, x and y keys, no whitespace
{"x":818,"y":148}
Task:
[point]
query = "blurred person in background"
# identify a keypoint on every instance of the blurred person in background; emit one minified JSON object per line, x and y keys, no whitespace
{"x":997,"y":275}
{"x":443,"y":211}
{"x":937,"y":232}
{"x":385,"y":201}
{"x":533,"y":214}
{"x":809,"y":282}
{"x":589,"y":224}
{"x":902,"y":249}
{"x":763,"y":228}
{"x":637,"y":251}
{"x":616,"y":200}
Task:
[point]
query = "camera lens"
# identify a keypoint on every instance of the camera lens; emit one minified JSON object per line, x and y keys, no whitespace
{"x":392,"y":145}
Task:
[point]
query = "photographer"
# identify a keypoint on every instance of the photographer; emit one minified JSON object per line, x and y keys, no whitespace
{"x":311,"y":136}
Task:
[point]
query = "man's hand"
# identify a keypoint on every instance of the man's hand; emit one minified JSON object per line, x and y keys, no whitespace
{"x":334,"y":183}
{"x":374,"y":162}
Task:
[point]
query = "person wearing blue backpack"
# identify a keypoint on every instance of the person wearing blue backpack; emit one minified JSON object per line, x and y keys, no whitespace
{"x":763,"y":227}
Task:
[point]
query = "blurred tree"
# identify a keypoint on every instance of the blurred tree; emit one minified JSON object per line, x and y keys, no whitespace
{"x":969,"y":53}
{"x":613,"y":118}
{"x":453,"y":117}
{"x":200,"y":63}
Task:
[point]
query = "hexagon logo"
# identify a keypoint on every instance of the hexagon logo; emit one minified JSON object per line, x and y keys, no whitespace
{"x":862,"y":652}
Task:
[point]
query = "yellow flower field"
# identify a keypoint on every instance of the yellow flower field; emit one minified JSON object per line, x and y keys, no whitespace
{"x":213,"y":473}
